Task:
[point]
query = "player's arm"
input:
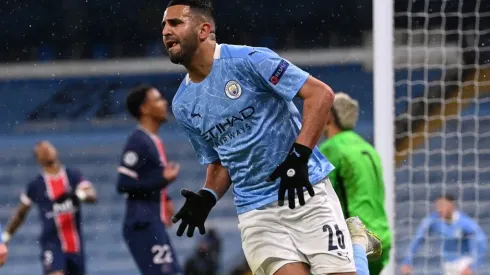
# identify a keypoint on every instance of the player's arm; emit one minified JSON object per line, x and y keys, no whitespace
{"x":218,"y":179}
{"x":132,"y":178}
{"x":418,"y":239}
{"x":285,"y":79}
{"x":17,"y":220}
{"x":318,"y":99}
{"x":197,"y":206}
{"x":129,"y":181}
{"x":478,"y":243}
{"x":281,"y":78}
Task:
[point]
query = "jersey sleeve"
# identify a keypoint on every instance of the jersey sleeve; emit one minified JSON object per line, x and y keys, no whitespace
{"x":133,"y":159}
{"x":28,"y":196}
{"x":271,"y":72}
{"x":204,"y":150}
{"x":133,"y":177}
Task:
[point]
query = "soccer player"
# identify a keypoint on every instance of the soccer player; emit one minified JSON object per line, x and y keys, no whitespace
{"x":236,"y":106}
{"x":358,"y":176}
{"x":57,"y":191}
{"x":3,"y":250}
{"x":144,"y":174}
{"x":465,"y":243}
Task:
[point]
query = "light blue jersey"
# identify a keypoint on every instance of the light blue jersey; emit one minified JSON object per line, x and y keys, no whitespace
{"x":462,"y":237}
{"x":243,"y":115}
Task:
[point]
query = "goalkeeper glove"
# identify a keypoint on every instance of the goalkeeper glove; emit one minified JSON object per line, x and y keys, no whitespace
{"x":293,"y":172}
{"x":194,"y":211}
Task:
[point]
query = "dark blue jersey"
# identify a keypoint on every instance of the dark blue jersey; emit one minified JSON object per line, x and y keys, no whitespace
{"x":141,"y":176}
{"x":60,"y":218}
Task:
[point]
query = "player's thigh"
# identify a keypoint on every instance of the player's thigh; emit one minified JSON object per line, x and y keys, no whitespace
{"x":75,"y":264}
{"x":53,"y":260}
{"x":266,"y":243}
{"x":151,"y":250}
{"x":296,"y":268}
{"x":319,"y":231}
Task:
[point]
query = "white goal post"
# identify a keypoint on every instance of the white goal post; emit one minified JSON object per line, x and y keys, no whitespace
{"x":384,"y":110}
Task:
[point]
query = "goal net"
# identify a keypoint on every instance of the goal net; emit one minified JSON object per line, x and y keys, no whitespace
{"x":442,"y":106}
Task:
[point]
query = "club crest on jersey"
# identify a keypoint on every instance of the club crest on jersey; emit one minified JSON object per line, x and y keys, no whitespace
{"x":279,"y":72}
{"x":130,"y":158}
{"x":233,"y":89}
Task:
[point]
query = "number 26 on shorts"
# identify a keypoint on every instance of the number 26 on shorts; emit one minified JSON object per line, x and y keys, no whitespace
{"x":332,"y":243}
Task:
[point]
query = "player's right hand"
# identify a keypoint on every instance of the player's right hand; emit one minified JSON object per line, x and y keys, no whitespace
{"x":406,"y":269}
{"x":171,"y":171}
{"x":194,"y":212}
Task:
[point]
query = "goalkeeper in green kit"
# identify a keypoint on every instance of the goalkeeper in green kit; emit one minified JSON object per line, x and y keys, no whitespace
{"x":357,"y":178}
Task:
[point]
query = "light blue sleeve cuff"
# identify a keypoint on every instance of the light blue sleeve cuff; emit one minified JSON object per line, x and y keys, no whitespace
{"x":212,"y":192}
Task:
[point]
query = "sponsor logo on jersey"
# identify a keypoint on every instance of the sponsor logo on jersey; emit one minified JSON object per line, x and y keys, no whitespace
{"x":279,"y":72}
{"x":61,"y":208}
{"x":230,"y":128}
{"x":233,"y":89}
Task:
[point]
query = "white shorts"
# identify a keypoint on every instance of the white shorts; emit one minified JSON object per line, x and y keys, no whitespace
{"x":456,"y":267}
{"x":315,"y":233}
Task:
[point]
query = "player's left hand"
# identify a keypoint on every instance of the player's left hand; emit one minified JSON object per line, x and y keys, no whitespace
{"x":467,"y":271}
{"x":194,"y":212}
{"x":293,"y":172}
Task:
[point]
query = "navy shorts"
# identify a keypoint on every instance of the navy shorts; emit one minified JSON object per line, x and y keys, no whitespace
{"x":150,"y":246}
{"x":54,"y":259}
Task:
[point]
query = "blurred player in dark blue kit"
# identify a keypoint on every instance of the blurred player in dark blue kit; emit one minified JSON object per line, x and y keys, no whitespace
{"x":57,"y":191}
{"x":144,"y":175}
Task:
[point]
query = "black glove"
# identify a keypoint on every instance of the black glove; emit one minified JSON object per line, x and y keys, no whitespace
{"x":194,"y":211}
{"x":293,"y":172}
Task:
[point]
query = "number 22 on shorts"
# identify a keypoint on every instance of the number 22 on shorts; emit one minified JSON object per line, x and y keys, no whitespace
{"x":163,"y":254}
{"x":331,"y":241}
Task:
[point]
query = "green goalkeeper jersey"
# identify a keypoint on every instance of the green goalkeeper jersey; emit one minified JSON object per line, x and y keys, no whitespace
{"x":358,"y":181}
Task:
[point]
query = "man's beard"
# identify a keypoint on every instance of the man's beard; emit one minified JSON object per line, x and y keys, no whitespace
{"x":188,"y":48}
{"x":49,"y":162}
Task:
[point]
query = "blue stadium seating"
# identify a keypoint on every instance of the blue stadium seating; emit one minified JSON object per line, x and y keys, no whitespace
{"x":96,"y":149}
{"x":102,"y":223}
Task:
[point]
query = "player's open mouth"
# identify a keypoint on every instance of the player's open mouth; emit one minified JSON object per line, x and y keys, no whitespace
{"x":171,"y":43}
